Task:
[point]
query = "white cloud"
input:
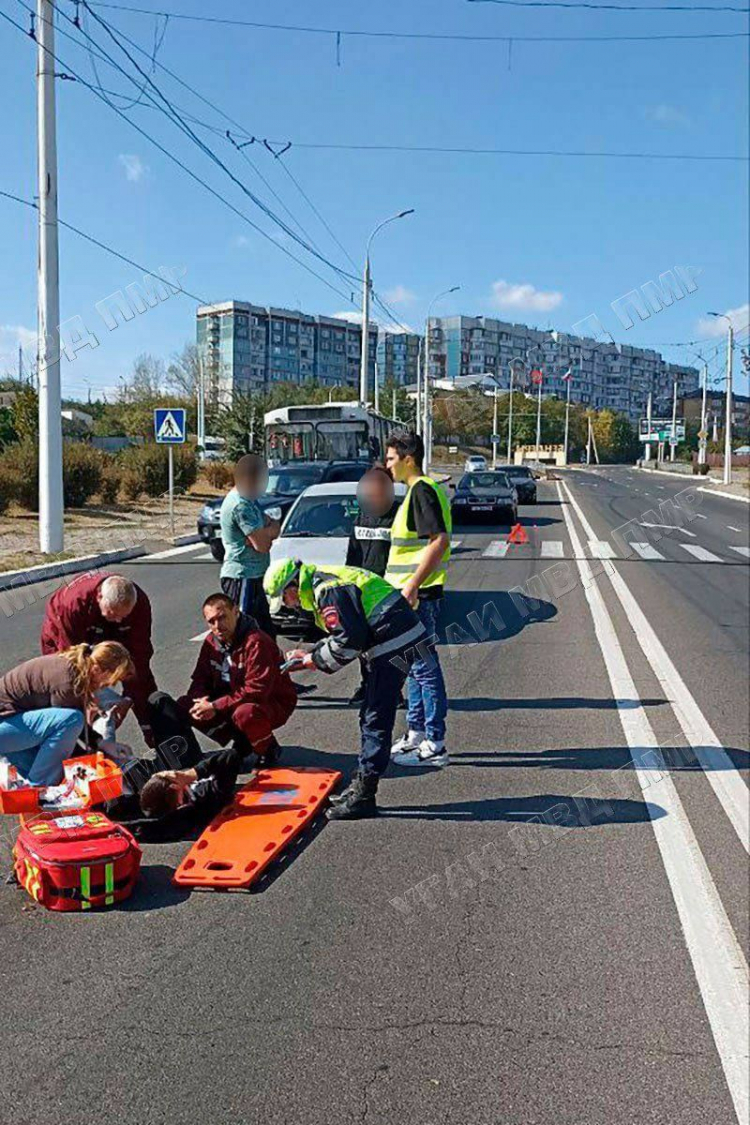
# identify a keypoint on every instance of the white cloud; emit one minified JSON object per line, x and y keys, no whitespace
{"x":399,"y":295}
{"x":717,"y":326}
{"x":350,"y":315}
{"x":134,"y":167}
{"x":506,"y":295}
{"x":664,"y":114}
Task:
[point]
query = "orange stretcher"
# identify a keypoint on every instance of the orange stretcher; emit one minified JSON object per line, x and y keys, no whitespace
{"x":248,"y":834}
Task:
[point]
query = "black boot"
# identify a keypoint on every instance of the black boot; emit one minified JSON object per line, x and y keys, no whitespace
{"x":272,"y":754}
{"x":337,"y":798}
{"x":359,"y":801}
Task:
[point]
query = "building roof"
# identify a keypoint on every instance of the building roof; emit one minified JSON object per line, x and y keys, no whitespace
{"x":715,"y":394}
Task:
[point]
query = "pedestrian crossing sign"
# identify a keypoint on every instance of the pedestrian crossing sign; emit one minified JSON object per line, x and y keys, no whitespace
{"x":169,"y":426}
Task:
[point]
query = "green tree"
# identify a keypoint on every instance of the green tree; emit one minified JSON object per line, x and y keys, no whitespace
{"x":25,"y":413}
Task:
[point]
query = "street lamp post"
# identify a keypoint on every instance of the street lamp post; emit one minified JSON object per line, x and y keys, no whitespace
{"x":366,"y":287}
{"x":427,"y":400}
{"x":728,"y":416}
{"x":673,"y":439}
{"x":511,"y":368}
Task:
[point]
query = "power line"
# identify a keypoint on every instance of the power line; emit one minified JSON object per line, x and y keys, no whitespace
{"x":102,"y":245}
{"x":450,"y":36}
{"x":193,"y":175}
{"x":613,"y":7}
{"x":456,"y":150}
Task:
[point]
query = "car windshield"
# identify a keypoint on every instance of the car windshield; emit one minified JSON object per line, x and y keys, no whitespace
{"x":519,"y":471}
{"x":322,"y":517}
{"x":484,"y":480}
{"x":291,"y":481}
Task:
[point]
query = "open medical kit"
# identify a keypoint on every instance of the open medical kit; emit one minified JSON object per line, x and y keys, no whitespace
{"x":88,"y":780}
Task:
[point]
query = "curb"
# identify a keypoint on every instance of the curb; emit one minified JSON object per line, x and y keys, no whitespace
{"x":665,"y":472}
{"x":725,"y":495}
{"x":12,"y":579}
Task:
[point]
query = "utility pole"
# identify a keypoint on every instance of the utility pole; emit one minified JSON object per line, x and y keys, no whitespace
{"x":420,"y":381}
{"x":673,"y":440}
{"x":704,"y":419}
{"x":649,"y":408}
{"x":494,"y":429}
{"x":201,"y":407}
{"x":569,"y":380}
{"x":539,"y":417}
{"x":51,"y":534}
{"x":426,"y":405}
{"x":728,"y":421}
{"x":510,"y":412}
{"x":377,"y":388}
{"x":394,"y":415}
{"x":588,"y":443}
{"x":365,"y":353}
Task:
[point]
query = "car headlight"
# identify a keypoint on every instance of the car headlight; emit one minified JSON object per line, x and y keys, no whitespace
{"x":460,"y":500}
{"x":273,"y":513}
{"x":207,"y":512}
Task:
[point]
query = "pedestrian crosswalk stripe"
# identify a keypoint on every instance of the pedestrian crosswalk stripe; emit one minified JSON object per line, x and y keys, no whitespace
{"x":646,"y":551}
{"x":552,"y":549}
{"x":744,"y":551}
{"x":456,"y":543}
{"x":496,"y":550}
{"x":700,"y":553}
{"x":601,"y":549}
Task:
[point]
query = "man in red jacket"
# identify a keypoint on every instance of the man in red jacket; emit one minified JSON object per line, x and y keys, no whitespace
{"x":237,"y":692}
{"x":106,"y":607}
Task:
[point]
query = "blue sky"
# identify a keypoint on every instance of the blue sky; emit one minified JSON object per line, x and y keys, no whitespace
{"x":539,"y":240}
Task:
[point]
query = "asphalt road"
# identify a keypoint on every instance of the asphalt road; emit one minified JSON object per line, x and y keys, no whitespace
{"x":540,"y":934}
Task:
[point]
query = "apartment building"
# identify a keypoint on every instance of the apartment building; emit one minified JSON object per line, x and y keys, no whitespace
{"x":691,"y":405}
{"x":605,"y":374}
{"x":398,"y":357}
{"x":248,"y":347}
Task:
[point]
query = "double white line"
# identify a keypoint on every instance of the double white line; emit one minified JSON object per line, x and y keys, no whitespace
{"x":720,"y":967}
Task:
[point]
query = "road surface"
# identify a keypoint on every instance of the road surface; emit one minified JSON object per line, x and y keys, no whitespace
{"x":540,"y":934}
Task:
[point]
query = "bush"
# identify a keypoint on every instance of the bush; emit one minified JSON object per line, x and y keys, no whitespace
{"x":146,"y":469}
{"x":111,"y":481}
{"x":8,"y":487}
{"x":21,"y":464}
{"x":82,"y":473}
{"x":219,"y":474}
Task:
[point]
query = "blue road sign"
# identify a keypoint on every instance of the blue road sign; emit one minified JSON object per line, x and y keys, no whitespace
{"x":170,"y":426}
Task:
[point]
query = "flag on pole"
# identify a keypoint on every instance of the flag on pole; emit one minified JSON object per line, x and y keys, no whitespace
{"x":567,"y":375}
{"x":537,"y":376}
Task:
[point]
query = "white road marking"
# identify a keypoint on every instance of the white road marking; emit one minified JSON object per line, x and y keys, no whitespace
{"x":646,"y":551}
{"x":601,"y":549}
{"x":699,"y":516}
{"x":552,"y":548}
{"x":203,"y":557}
{"x":726,"y":781}
{"x":719,"y":965}
{"x":199,"y":637}
{"x":730,"y":527}
{"x":744,"y":551}
{"x":668,"y":527}
{"x":496,"y":550}
{"x":456,"y":542}
{"x":700,"y":553}
{"x":175,"y":551}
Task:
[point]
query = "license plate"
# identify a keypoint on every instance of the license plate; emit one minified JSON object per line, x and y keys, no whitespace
{"x":482,"y":507}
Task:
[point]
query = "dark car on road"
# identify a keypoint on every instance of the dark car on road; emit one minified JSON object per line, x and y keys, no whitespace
{"x":489,"y":495}
{"x":285,"y":483}
{"x":523,"y":480}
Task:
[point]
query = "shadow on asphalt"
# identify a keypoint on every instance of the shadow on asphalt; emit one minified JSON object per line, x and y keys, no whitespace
{"x":676,"y":759}
{"x":555,"y":810}
{"x":495,"y":617}
{"x":154,"y":891}
{"x":537,"y":521}
{"x":556,"y":703}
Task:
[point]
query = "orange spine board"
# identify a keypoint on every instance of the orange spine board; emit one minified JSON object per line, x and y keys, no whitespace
{"x":249,"y":833}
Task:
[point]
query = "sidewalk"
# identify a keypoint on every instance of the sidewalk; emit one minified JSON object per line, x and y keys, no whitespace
{"x":740,"y":486}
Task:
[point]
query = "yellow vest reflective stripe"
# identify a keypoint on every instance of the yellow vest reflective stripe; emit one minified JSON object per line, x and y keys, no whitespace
{"x":408,"y":550}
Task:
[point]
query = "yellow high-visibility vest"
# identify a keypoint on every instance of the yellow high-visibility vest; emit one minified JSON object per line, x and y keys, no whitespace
{"x":408,"y":550}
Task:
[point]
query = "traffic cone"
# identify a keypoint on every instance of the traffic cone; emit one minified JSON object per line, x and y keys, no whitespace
{"x":518,"y":534}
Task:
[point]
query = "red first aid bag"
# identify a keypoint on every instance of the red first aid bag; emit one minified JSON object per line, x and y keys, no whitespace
{"x":76,"y":861}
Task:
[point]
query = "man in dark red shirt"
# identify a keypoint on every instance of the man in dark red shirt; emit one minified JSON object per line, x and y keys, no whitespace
{"x":106,"y":607}
{"x":237,"y":692}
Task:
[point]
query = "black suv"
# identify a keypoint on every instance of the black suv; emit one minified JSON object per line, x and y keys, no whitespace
{"x":285,"y":483}
{"x":523,"y":480}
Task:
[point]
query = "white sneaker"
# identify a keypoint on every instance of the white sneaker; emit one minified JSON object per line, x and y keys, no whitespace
{"x":428,"y":753}
{"x":410,"y":741}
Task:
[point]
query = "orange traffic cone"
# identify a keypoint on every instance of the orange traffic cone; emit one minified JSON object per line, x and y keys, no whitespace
{"x":518,"y":534}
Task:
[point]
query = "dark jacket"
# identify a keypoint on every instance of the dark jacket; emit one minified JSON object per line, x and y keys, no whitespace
{"x":246,"y":671}
{"x":217,"y":775}
{"x":370,"y":541}
{"x":45,"y":681}
{"x":349,"y":632}
{"x":73,"y":617}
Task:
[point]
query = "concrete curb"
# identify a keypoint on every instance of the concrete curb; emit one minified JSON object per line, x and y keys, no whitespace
{"x":724,"y":495}
{"x":13,"y":579}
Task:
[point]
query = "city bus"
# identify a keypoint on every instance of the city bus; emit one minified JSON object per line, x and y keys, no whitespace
{"x":333,"y":431}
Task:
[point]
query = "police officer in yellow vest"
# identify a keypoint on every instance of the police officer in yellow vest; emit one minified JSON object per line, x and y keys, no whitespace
{"x":417,"y":566}
{"x":361,"y":615}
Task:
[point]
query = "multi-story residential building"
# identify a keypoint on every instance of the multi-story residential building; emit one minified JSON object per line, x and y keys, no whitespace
{"x":398,"y":357}
{"x":605,"y":374}
{"x":248,"y":348}
{"x":691,"y":406}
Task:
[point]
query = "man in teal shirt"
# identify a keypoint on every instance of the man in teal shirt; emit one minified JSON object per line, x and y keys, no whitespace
{"x":247,"y":536}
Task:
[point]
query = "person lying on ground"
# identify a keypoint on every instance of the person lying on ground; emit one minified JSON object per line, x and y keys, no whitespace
{"x":211,"y":782}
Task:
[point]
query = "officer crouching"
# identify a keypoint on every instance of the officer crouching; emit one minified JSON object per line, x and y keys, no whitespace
{"x":361,"y":615}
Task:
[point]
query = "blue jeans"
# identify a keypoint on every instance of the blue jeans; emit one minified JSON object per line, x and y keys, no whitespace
{"x":425,"y":687}
{"x":38,"y":742}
